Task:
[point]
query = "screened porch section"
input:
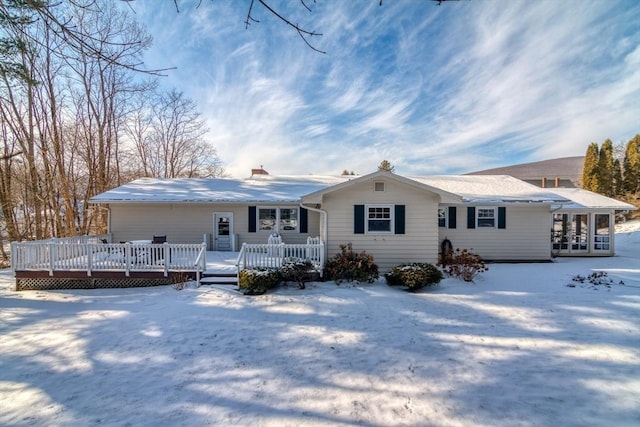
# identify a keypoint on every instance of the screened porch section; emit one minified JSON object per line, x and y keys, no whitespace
{"x":582,"y":233}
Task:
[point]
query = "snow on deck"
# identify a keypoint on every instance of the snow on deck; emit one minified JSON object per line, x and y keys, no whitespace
{"x":221,"y":262}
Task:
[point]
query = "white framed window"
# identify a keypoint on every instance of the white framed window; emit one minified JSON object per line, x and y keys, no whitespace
{"x":267,"y":219}
{"x":379,"y":218}
{"x":288,"y":219}
{"x":442,"y":217}
{"x":277,"y":219}
{"x":486,"y":217}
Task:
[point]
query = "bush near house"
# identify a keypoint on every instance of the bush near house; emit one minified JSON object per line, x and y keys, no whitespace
{"x":463,"y":264}
{"x":351,"y":266}
{"x":414,"y":276}
{"x":296,"y":270}
{"x":257,"y":281}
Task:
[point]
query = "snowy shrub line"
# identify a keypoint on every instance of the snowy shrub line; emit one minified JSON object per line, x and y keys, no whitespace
{"x":414,"y":276}
{"x":296,"y":270}
{"x":258,"y":280}
{"x":597,"y":278}
{"x":351,"y":266}
{"x":462,"y":263}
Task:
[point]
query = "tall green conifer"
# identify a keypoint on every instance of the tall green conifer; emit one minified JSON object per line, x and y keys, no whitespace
{"x":605,"y":169}
{"x":631,"y":169}
{"x":590,"y":168}
{"x":617,"y":178}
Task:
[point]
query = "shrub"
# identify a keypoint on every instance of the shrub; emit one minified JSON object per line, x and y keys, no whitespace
{"x":463,"y":264}
{"x":414,"y":276}
{"x":296,"y":270}
{"x":257,"y":281}
{"x":349,"y":266}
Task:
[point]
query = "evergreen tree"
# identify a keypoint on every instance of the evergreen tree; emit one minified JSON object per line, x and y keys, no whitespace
{"x":631,"y":169}
{"x":605,"y":169}
{"x":385,"y":165}
{"x":617,"y":178}
{"x":590,"y":168}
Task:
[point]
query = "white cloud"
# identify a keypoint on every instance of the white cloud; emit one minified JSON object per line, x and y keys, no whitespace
{"x":433,"y":89}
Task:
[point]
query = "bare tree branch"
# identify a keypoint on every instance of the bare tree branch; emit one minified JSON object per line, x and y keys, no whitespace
{"x":301,"y":31}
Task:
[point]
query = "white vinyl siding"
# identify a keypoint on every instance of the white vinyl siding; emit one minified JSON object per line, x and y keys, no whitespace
{"x":526,"y":236}
{"x":186,"y":223}
{"x":419,"y":243}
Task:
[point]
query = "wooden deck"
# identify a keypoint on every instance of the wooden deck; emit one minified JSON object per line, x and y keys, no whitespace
{"x":60,"y":264}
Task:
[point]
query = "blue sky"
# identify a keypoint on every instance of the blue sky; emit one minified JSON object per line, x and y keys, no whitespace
{"x":464,"y":86}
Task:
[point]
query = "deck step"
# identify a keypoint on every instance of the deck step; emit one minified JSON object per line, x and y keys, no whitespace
{"x":219,"y":280}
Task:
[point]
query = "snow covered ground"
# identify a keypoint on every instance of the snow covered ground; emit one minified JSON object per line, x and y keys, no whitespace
{"x":517,"y":348}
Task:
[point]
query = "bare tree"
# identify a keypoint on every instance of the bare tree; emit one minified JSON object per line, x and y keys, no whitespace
{"x":169,"y":138}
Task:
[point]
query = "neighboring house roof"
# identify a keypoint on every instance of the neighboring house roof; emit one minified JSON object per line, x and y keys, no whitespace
{"x":586,"y":199}
{"x":568,"y":170}
{"x":492,"y":189}
{"x":258,"y":188}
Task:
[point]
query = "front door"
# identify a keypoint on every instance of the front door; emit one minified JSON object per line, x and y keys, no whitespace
{"x":223,"y":231}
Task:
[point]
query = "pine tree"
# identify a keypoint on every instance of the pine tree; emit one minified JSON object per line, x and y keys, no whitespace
{"x":590,"y":168}
{"x":385,"y":165}
{"x":617,"y":178}
{"x":605,"y":169}
{"x":631,"y":168}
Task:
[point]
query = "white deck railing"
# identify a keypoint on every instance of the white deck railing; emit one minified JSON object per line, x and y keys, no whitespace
{"x":272,"y":256}
{"x":66,"y":255}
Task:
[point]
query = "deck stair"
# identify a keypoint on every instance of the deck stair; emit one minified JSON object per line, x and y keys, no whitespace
{"x":212,"y":277}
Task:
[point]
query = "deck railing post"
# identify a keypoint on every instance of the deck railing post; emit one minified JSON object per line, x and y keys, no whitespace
{"x":166,"y":258}
{"x":127,"y":258}
{"x":89,"y":258}
{"x":51,"y":257}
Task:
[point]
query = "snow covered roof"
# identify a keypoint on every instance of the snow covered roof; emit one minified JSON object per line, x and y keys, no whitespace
{"x":586,"y":199}
{"x":446,"y":197}
{"x":492,"y":189}
{"x":258,"y":188}
{"x":291,"y":189}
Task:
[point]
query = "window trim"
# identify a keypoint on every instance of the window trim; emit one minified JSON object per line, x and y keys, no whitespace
{"x":495,"y":217}
{"x":444,"y":209}
{"x":391,"y":219}
{"x":277,"y":226}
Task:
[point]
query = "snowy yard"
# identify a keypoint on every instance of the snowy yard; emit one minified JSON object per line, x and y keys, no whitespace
{"x":519,"y":347}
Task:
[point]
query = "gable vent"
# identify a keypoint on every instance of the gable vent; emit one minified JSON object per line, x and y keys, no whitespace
{"x":378,"y":186}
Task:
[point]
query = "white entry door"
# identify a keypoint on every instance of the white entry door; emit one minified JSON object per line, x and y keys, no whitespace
{"x":223,"y":231}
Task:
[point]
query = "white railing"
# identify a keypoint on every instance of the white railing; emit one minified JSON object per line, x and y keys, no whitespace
{"x":58,"y":255}
{"x":272,"y":256}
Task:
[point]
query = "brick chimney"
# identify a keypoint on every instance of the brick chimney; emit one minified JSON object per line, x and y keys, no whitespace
{"x":260,"y":171}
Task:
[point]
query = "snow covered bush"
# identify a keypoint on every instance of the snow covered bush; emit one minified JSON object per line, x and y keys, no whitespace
{"x":296,"y":270}
{"x":463,"y":264}
{"x":349,"y":266}
{"x":414,"y":276}
{"x":257,"y":281}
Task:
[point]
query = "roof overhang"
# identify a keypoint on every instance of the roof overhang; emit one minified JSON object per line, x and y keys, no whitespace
{"x":445,"y":196}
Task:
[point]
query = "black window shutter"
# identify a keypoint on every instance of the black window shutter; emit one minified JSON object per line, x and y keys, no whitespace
{"x":471,"y":217}
{"x":399,"y":219}
{"x":304,"y":220}
{"x":252,"y":219}
{"x":502,"y":217}
{"x":358,"y":219}
{"x":452,"y":217}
